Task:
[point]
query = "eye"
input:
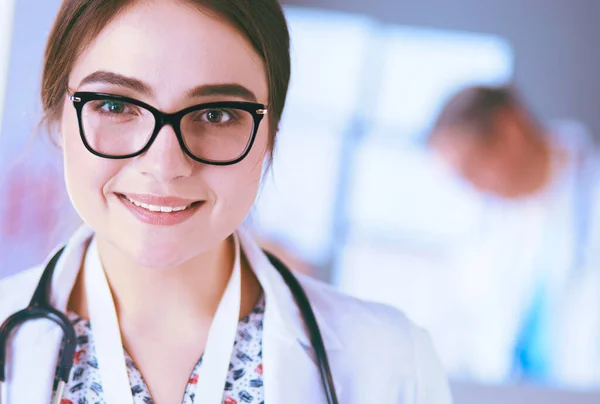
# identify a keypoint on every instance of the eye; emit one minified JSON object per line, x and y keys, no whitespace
{"x":216,"y":116}
{"x":114,"y":107}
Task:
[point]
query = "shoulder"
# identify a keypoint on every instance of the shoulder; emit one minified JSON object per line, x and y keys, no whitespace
{"x":16,"y":290}
{"x":344,"y":312}
{"x":383,"y":335}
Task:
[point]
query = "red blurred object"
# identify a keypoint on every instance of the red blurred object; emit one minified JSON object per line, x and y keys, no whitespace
{"x":14,"y":212}
{"x":77,"y":357}
{"x":194,"y":379}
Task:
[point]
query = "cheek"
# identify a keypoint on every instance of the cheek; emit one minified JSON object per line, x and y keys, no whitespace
{"x":235,"y":187}
{"x":85,"y":174}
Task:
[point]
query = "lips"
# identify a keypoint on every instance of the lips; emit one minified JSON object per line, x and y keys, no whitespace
{"x":157,"y":210}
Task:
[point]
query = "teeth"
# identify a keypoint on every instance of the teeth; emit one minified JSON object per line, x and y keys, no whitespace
{"x":154,"y":208}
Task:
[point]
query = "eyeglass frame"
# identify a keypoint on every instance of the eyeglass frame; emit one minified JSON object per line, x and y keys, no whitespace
{"x":161,"y":119}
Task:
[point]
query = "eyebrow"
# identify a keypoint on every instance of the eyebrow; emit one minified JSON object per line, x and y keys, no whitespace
{"x":232,"y":90}
{"x":104,"y":77}
{"x":228,"y":89}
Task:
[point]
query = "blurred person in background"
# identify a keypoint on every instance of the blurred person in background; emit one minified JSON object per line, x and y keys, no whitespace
{"x":515,"y":278}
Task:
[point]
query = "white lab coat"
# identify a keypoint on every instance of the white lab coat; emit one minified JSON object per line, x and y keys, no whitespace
{"x":376,"y":354}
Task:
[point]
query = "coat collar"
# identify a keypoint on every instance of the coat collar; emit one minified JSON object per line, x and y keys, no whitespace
{"x":68,"y":266}
{"x":291,"y":373}
{"x":284,"y":308}
{"x":285,"y":311}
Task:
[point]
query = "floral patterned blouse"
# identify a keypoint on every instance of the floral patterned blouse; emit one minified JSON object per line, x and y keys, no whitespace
{"x":244,"y":381}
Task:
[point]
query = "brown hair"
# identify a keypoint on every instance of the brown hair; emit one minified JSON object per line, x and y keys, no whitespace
{"x":80,"y":21}
{"x":475,"y":108}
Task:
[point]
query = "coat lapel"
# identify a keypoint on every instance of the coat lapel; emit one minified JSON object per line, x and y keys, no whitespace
{"x":35,"y":345}
{"x":291,"y":374}
{"x":33,"y":356}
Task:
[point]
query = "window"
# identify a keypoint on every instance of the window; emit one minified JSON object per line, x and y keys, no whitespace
{"x":352,"y":189}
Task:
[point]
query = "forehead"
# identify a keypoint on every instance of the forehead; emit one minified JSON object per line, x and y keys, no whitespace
{"x":173,"y":46}
{"x":460,"y":148}
{"x":458,"y":139}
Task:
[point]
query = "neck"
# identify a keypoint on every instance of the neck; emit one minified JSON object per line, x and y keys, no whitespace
{"x":187,"y":294}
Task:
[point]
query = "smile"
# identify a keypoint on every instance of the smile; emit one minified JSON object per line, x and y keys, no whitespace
{"x":160,"y":210}
{"x":156,"y":208}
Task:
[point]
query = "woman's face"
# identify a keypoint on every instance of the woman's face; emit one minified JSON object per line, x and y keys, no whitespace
{"x":159,"y":52}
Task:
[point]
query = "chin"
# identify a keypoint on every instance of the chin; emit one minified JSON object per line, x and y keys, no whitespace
{"x":154,"y":252}
{"x":158,"y":259}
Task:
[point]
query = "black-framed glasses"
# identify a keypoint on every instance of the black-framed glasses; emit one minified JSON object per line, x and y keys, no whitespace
{"x":118,"y":127}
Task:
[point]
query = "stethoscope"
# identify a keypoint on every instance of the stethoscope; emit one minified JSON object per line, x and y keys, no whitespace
{"x":40,"y":307}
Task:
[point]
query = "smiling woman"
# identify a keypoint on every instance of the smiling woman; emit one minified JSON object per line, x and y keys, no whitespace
{"x":162,"y":295}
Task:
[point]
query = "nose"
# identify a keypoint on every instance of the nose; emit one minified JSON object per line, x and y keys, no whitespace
{"x":165,"y":160}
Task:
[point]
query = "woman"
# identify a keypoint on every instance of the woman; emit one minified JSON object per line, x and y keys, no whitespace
{"x":162,"y":273}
